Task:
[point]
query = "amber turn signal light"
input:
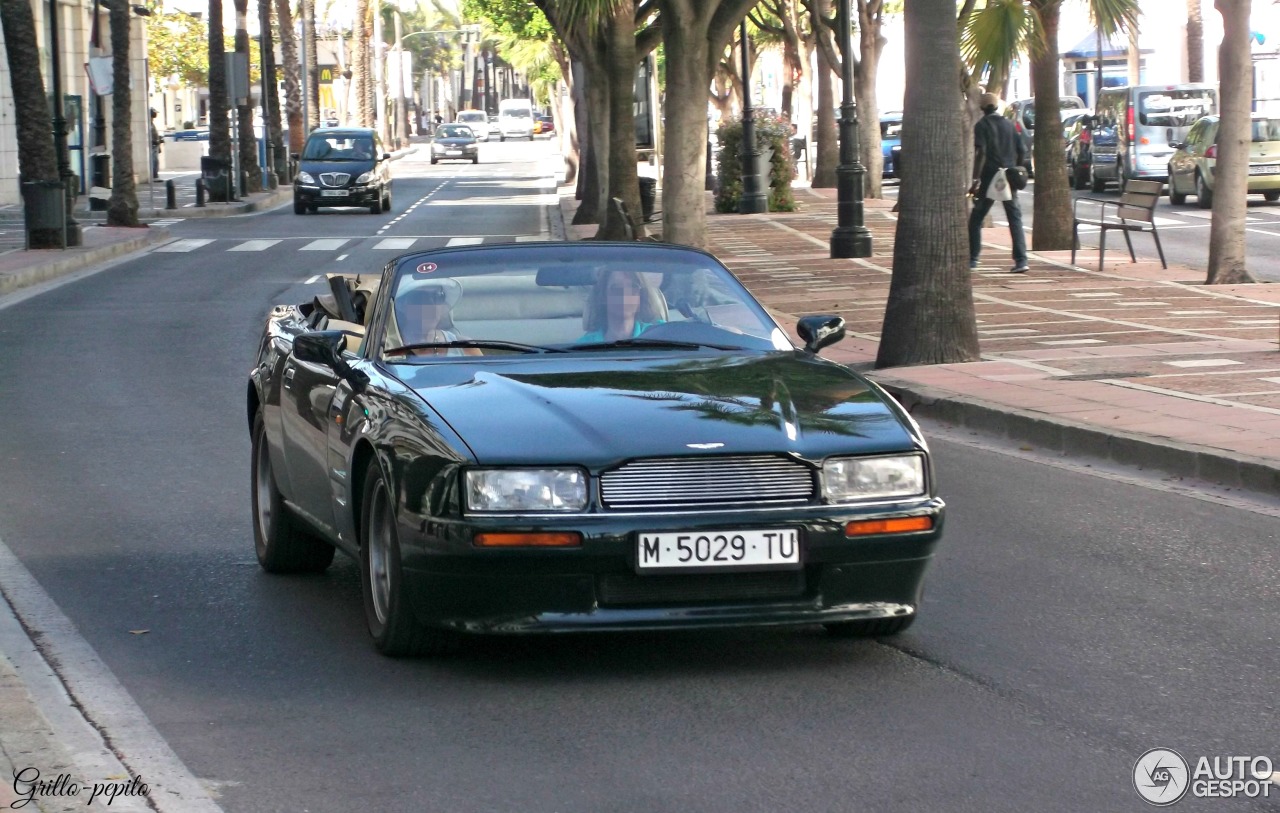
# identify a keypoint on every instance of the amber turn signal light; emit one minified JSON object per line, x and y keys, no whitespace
{"x":900,"y":525}
{"x":537,"y":540}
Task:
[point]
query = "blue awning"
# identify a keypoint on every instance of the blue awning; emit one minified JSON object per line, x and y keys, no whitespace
{"x":1112,"y":47}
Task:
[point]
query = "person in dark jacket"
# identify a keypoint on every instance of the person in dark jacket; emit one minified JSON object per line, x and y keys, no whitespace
{"x":996,"y":147}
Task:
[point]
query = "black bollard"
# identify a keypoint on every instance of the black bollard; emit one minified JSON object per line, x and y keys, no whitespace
{"x":170,"y":195}
{"x":200,"y":192}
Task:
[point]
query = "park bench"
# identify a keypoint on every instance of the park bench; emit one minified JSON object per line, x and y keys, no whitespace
{"x":1135,"y":211}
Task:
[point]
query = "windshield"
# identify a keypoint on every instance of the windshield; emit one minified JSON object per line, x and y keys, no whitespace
{"x":473,"y":117}
{"x":338,"y":148}
{"x":519,"y":113}
{"x":588,"y":299}
{"x":1175,"y":107}
{"x":454,"y":131}
{"x":1266,"y":130}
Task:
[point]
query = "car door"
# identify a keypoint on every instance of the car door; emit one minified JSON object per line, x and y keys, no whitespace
{"x":306,"y":395}
{"x":1183,"y":163}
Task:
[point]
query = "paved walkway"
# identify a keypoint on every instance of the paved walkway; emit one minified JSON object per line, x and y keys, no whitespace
{"x":1129,"y":362}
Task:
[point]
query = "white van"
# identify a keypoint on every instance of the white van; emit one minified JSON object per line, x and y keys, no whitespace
{"x":1132,"y":128}
{"x":515,"y":118}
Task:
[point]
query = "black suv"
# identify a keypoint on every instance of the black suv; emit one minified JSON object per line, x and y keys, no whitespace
{"x":343,"y":166}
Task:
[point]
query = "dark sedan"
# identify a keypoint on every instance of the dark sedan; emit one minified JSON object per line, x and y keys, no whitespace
{"x":557,"y":437}
{"x":343,"y":166}
{"x":455,"y":142}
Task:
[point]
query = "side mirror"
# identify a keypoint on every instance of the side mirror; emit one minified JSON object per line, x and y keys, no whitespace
{"x":818,"y":332}
{"x":324,"y":347}
{"x":386,"y":156}
{"x":1177,"y":145}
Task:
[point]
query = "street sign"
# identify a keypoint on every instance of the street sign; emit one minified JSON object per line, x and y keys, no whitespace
{"x":237,"y":78}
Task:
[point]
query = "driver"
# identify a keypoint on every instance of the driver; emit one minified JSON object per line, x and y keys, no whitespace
{"x":424,"y":316}
{"x":622,"y":305}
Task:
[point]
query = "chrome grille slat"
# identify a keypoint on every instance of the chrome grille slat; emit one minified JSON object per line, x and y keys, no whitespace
{"x":334,"y":178}
{"x":707,"y":481}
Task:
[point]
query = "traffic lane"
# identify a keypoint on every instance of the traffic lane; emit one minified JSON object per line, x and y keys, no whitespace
{"x":260,"y":681}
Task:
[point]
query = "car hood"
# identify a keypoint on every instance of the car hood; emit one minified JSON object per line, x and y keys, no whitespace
{"x":597,"y":411}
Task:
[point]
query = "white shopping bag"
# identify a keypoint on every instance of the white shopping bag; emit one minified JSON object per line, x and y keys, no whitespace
{"x":999,"y":189}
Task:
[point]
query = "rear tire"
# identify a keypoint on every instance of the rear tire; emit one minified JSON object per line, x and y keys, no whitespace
{"x":282,"y":543}
{"x":1204,"y":195}
{"x":870,"y":628}
{"x":475,"y":160}
{"x":1175,"y":197}
{"x":376,"y":206}
{"x":1096,"y":184}
{"x":1271,"y":197}
{"x":395,"y":631}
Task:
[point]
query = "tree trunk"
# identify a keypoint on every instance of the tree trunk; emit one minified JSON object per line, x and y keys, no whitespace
{"x":870,"y":45}
{"x":249,"y":169}
{"x":1195,"y":41}
{"x":684,"y":197}
{"x":37,"y":158}
{"x":122,"y":209}
{"x":313,"y":63}
{"x":564,"y":111}
{"x":1231,"y":173}
{"x":219,"y":122}
{"x":1051,"y":230}
{"x":619,"y":60}
{"x":828,"y":151}
{"x":595,"y":186}
{"x":360,"y":65}
{"x":292,"y":75}
{"x":929,"y":318}
{"x":275,"y":142}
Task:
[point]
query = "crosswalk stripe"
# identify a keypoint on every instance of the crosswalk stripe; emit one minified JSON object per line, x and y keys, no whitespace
{"x":323,"y":245}
{"x":529,"y":238}
{"x":183,"y":246}
{"x":254,"y":245}
{"x":396,"y":243}
{"x":465,"y":241}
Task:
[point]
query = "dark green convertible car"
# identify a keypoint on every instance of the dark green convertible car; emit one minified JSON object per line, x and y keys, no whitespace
{"x":556,"y":437}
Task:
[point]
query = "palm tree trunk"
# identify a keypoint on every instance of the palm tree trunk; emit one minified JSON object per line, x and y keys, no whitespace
{"x":929,"y":317}
{"x":1051,"y":230}
{"x":249,"y":169}
{"x":313,"y":65}
{"x":275,"y":143}
{"x":1230,"y":174}
{"x":688,"y":77}
{"x":1195,"y":41}
{"x":360,"y":64}
{"x":620,"y":72}
{"x":870,"y":44}
{"x":219,"y":124}
{"x":595,"y":184}
{"x":292,"y":75}
{"x":122,"y":209}
{"x":828,"y":152}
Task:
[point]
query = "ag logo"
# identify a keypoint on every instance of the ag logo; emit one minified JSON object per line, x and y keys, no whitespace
{"x":1161,"y":776}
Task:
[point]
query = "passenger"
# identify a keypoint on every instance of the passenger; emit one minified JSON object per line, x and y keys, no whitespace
{"x":363,"y":150}
{"x":424,"y":316}
{"x":622,"y":305}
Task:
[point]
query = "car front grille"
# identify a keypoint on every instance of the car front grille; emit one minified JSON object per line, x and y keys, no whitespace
{"x":334,"y":178}
{"x":621,"y":589}
{"x":693,"y":482}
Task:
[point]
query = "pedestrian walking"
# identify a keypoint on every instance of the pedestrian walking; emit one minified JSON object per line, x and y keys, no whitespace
{"x":997,"y":148}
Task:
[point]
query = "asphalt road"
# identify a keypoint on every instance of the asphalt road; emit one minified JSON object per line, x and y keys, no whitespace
{"x":1072,"y":620}
{"x":1184,"y":231}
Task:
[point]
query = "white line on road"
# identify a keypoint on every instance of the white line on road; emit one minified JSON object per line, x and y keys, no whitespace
{"x":342,"y":257}
{"x":312,"y":280}
{"x":83,"y":701}
{"x":254,"y":245}
{"x":396,"y":243}
{"x":465,"y":241}
{"x":324,"y":245}
{"x":183,"y":246}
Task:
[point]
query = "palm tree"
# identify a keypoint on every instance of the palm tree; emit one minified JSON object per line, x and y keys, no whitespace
{"x":292,"y":75}
{"x":1195,"y":41}
{"x":272,"y":101}
{"x":122,"y":209}
{"x":929,"y":317}
{"x":1230,"y":173}
{"x":361,"y":78}
{"x":249,"y":169}
{"x":37,"y":158}
{"x":219,"y":123}
{"x":313,"y":64}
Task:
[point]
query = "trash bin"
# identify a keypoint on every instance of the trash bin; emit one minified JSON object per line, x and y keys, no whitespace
{"x":44,"y":209}
{"x":648,"y":196}
{"x":100,"y":175}
{"x":216,"y":174}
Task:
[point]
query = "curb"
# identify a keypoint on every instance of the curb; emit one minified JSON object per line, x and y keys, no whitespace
{"x":80,"y":260}
{"x":1066,"y":437}
{"x":555,"y":219}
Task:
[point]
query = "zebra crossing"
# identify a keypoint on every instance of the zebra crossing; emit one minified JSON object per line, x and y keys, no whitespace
{"x":334,"y":244}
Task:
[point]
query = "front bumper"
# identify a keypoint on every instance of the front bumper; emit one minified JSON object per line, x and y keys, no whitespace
{"x":361,"y":196}
{"x":463,"y":155}
{"x":455,"y":585}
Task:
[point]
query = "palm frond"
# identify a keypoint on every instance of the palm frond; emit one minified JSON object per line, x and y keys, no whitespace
{"x":591,"y":13}
{"x":1114,"y":15}
{"x":994,"y":36}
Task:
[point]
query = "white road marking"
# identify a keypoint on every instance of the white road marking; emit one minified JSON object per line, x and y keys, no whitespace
{"x":342,"y":257}
{"x":1064,"y":342}
{"x":1193,"y":313}
{"x":83,"y":701}
{"x":396,"y":243}
{"x":530,"y":238}
{"x":312,"y":280}
{"x":1202,"y":363}
{"x":183,"y":246}
{"x":465,"y":241}
{"x":324,"y":245}
{"x":254,"y":245}
{"x":1095,"y":294}
{"x":1003,"y":331}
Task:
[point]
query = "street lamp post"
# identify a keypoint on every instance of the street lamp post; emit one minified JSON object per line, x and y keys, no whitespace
{"x":74,"y":235}
{"x":850,"y":238}
{"x":753,"y":201}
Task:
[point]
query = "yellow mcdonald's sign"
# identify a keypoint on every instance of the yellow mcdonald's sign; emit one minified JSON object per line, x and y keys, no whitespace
{"x":326,"y":74}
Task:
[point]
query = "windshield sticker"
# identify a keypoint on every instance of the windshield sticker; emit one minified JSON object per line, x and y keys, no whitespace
{"x":426,"y":268}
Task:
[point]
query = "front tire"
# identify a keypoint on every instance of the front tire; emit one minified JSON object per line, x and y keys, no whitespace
{"x":1175,"y":197}
{"x":870,"y":628}
{"x":299,"y":208}
{"x":1271,"y":197}
{"x":376,"y":206}
{"x":282,"y":543}
{"x":395,"y":631}
{"x":1204,"y":195}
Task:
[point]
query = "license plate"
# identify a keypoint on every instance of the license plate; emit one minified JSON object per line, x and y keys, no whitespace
{"x":718,"y":550}
{"x":1104,"y":159}
{"x":333,"y":193}
{"x":1265,"y":169}
{"x":453,"y":152}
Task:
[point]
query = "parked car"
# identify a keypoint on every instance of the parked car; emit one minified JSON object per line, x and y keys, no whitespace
{"x":700,"y":472}
{"x":1192,"y":164}
{"x":455,"y":142}
{"x":343,"y":166}
{"x":1133,"y":127}
{"x":544,"y":125}
{"x":891,"y":143}
{"x":1023,"y":115}
{"x":477,"y":121}
{"x":1077,"y":137}
{"x":495,"y":127}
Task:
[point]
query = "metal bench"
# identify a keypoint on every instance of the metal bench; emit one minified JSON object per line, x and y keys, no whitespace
{"x":1135,"y":211}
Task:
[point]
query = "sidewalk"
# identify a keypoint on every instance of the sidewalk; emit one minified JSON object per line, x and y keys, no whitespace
{"x":1129,"y":363}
